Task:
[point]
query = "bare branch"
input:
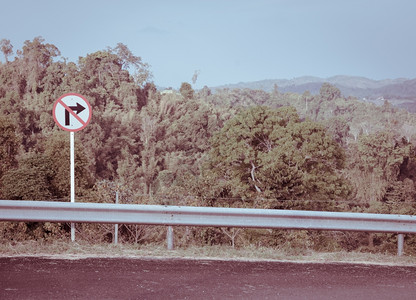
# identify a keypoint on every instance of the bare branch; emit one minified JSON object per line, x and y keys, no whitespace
{"x":253,"y":168}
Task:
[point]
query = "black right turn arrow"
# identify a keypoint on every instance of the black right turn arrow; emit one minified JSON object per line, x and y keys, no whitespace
{"x":77,"y":109}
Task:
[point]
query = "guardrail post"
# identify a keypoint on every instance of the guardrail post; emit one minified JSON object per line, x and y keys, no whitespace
{"x":400,"y":241}
{"x":169,"y":237}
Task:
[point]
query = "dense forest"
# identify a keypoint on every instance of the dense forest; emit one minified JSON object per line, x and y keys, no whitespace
{"x":228,"y":147}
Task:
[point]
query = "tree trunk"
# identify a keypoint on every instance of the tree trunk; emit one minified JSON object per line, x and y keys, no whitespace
{"x":253,"y":167}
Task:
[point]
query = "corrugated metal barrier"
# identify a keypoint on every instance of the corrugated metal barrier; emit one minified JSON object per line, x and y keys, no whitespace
{"x":45,"y":211}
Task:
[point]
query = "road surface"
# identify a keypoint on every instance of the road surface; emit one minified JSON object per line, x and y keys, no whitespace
{"x":117,"y":278}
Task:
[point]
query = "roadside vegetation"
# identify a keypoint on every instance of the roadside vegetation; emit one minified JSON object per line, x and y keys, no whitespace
{"x":64,"y":249}
{"x":230,"y":148}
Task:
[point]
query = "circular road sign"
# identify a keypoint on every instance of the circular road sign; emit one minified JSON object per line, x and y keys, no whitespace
{"x":72,"y":112}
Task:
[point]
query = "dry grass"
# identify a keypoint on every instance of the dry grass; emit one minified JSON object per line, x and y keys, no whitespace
{"x":77,"y":250}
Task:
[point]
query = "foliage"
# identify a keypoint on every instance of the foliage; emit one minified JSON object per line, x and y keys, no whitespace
{"x":21,"y":231}
{"x":186,"y":90}
{"x":377,"y":161}
{"x":274,"y":154}
{"x":9,"y":145}
{"x":45,"y":176}
{"x":175,"y":134}
{"x":6,"y":48}
{"x":57,"y":149}
{"x":133,"y":64}
{"x":328,"y":92}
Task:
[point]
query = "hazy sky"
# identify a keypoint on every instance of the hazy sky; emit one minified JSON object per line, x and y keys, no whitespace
{"x":229,"y":41}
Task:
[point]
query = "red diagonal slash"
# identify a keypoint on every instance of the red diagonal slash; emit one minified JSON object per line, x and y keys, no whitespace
{"x":72,"y":112}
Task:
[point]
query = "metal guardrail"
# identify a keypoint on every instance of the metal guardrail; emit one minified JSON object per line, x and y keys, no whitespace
{"x":11,"y":210}
{"x":44,"y":211}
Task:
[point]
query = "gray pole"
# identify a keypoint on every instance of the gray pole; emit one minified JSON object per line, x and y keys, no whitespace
{"x":400,"y":240}
{"x":72,"y":172}
{"x":169,"y":237}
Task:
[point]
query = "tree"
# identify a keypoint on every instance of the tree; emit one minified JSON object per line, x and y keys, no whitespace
{"x":273,"y":154}
{"x":400,"y":197}
{"x":45,"y":175}
{"x":9,"y":145}
{"x":57,"y":149}
{"x":307,"y":98}
{"x":151,"y":131}
{"x":189,"y":127}
{"x":376,"y":163}
{"x":104,"y":78}
{"x":204,"y":93}
{"x":174,"y":136}
{"x":329,"y":92}
{"x":186,"y":90}
{"x":31,"y":180}
{"x":6,"y":48}
{"x":140,"y":70}
{"x":339,"y":129}
{"x":36,"y":57}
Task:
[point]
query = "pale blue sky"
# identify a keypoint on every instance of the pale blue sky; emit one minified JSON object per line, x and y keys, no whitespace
{"x":229,"y":41}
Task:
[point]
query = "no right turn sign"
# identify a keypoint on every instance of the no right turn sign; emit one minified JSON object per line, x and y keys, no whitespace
{"x":72,"y":112}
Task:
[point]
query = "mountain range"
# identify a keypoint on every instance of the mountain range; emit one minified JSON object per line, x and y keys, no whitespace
{"x":400,"y":91}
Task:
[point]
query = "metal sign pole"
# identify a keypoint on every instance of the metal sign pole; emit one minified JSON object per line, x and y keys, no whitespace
{"x":72,"y":138}
{"x":116,"y":225}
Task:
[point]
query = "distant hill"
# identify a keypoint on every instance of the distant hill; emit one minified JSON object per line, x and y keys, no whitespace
{"x":400,"y":92}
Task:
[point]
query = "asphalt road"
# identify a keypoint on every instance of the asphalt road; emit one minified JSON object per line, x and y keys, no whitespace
{"x":116,"y":278}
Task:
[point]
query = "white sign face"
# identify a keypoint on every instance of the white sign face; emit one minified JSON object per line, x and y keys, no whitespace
{"x":72,"y":112}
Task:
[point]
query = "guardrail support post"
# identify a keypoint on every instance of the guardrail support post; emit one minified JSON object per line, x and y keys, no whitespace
{"x":169,"y":237}
{"x":400,"y":240}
